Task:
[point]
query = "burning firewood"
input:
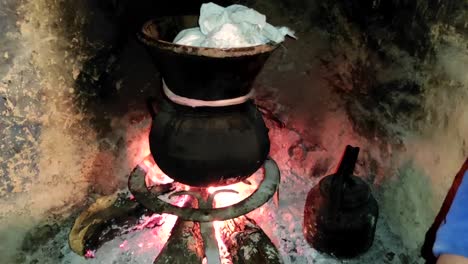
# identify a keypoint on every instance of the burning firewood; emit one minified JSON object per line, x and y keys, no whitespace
{"x":185,"y":245}
{"x":241,"y":241}
{"x":248,"y":244}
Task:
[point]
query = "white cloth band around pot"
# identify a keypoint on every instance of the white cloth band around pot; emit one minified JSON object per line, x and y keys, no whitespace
{"x":202,"y":103}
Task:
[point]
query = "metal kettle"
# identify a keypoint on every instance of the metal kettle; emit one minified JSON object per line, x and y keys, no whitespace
{"x":340,"y":214}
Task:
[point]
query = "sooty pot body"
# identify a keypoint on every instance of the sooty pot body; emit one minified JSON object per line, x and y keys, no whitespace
{"x":205,"y":146}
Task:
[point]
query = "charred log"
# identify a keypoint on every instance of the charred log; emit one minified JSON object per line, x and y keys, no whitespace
{"x":183,"y":246}
{"x":248,"y":244}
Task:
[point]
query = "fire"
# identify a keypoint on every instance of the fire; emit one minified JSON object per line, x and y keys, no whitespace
{"x":223,"y":196}
{"x":154,"y":174}
{"x":148,"y":242}
{"x":223,"y":250}
{"x":223,"y":199}
{"x":243,"y":189}
{"x":90,"y":254}
{"x":139,"y":150}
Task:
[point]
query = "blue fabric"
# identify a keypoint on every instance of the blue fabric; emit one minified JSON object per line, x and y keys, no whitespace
{"x":452,"y":236}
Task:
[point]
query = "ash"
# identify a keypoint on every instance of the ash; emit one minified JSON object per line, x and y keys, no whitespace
{"x":283,"y":225}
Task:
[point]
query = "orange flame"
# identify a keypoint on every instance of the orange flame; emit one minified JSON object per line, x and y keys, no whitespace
{"x":223,"y":199}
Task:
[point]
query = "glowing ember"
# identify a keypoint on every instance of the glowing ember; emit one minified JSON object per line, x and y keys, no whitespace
{"x":90,"y":253}
{"x":124,"y":244}
{"x":223,"y":250}
{"x":150,"y":221}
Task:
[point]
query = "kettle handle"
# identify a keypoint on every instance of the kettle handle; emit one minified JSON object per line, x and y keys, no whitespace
{"x":343,"y":173}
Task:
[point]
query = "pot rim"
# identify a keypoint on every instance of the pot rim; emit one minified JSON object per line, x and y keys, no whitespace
{"x":149,"y":35}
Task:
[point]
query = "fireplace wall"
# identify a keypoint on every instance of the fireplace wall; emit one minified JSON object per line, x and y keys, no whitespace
{"x":73,"y":122}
